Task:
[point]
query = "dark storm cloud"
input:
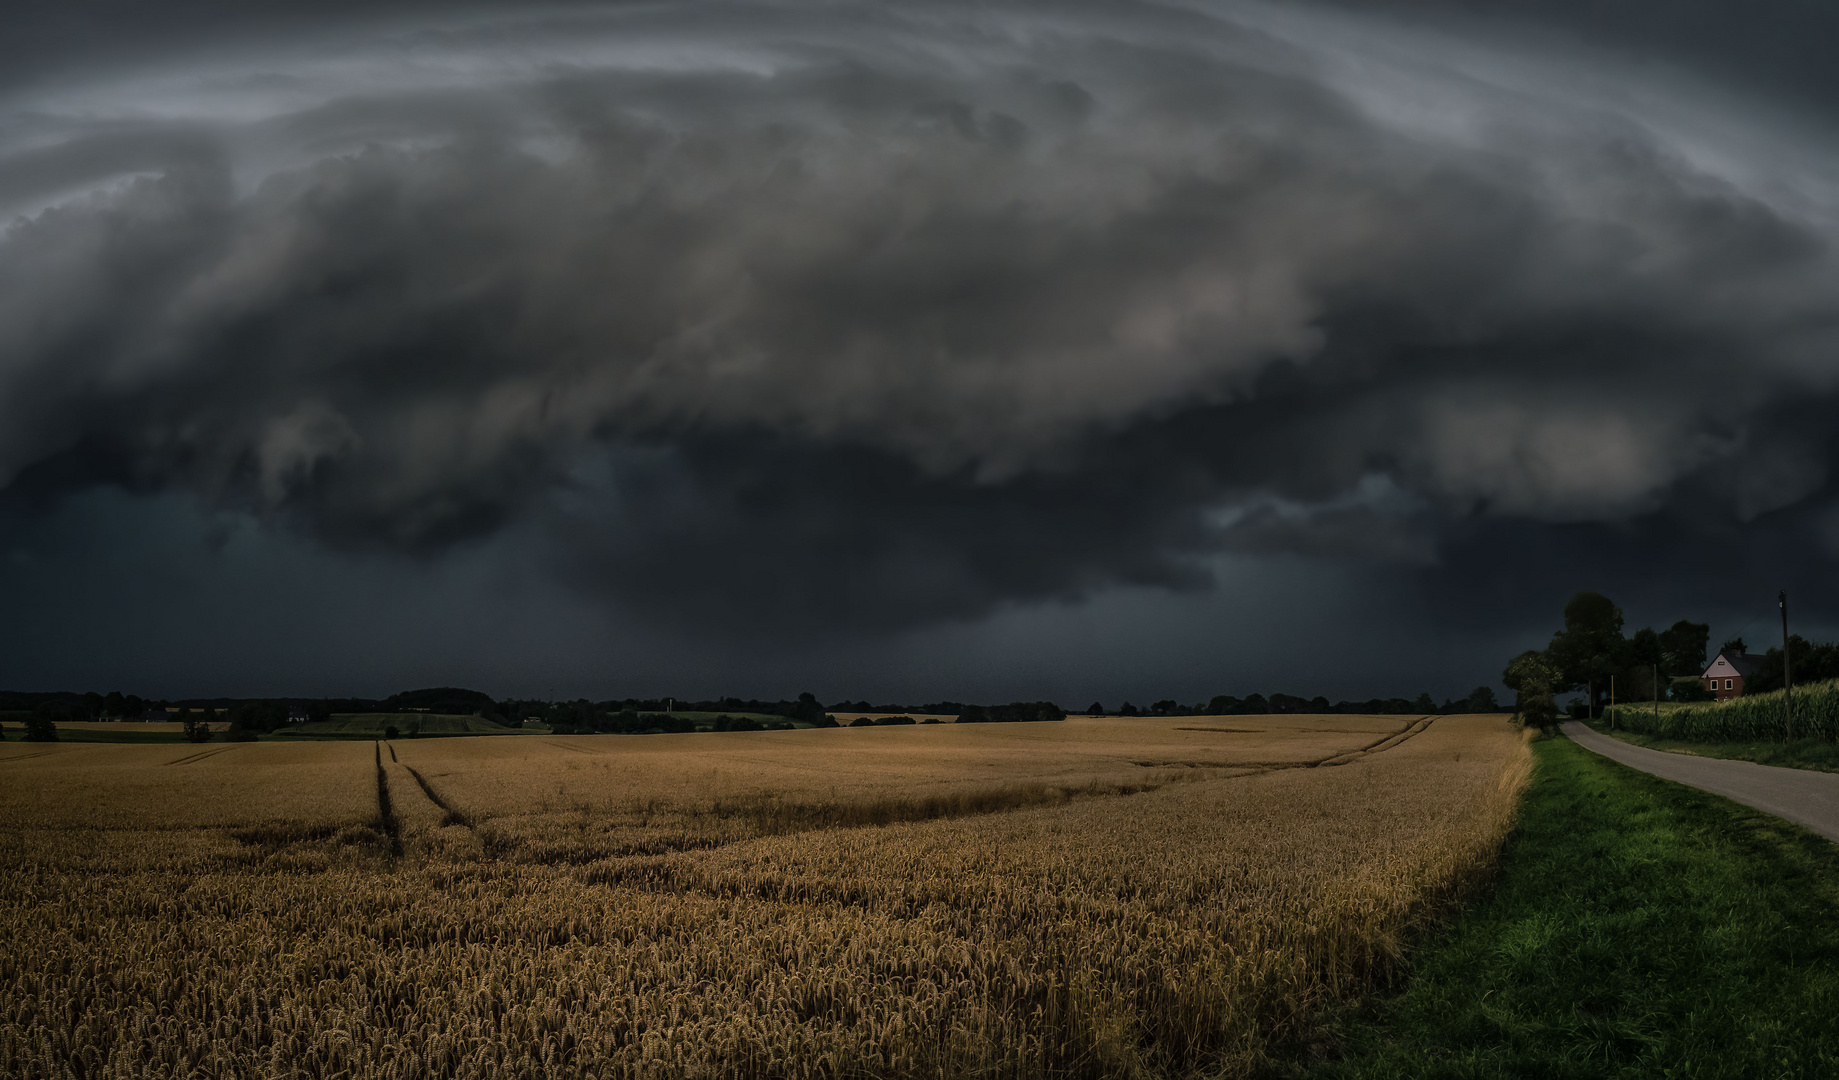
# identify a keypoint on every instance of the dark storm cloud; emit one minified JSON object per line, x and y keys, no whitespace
{"x":867,"y":317}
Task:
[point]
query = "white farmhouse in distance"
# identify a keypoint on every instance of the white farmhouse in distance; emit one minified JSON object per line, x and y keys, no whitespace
{"x":1726,"y":675}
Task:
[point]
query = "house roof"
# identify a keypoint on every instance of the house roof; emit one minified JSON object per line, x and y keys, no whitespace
{"x":1745,"y":663}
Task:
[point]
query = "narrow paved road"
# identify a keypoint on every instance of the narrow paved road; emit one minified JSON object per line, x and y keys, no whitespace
{"x":1802,"y":796}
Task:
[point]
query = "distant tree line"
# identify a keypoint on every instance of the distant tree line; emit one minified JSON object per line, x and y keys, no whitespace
{"x":1481,"y":699}
{"x":936,"y":708}
{"x":247,"y":719}
{"x":1016,"y":712}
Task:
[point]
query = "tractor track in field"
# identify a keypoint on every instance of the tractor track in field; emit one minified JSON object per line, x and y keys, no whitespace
{"x":193,"y":759}
{"x":454,"y":817}
{"x":29,"y":757}
{"x":1412,"y":730}
{"x":386,"y":817}
{"x":1378,"y":746}
{"x":571,"y":746}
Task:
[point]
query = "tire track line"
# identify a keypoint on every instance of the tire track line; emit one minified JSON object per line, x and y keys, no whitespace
{"x":454,"y":817}
{"x":29,"y":757}
{"x":386,"y":817}
{"x":576,"y":749}
{"x":192,"y":759}
{"x":1416,"y":728}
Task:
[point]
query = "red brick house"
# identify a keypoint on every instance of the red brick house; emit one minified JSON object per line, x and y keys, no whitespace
{"x":1727,"y":674}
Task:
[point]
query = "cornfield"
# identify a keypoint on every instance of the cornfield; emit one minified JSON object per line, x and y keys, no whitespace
{"x":1751,"y":718}
{"x":1089,"y":899}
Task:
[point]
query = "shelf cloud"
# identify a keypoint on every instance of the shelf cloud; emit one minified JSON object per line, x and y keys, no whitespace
{"x":875,"y":316}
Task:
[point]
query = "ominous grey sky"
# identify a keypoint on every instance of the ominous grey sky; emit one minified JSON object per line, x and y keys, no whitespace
{"x":905,"y":351}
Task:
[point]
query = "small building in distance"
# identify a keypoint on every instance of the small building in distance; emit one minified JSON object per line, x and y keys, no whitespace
{"x":1727,"y":674}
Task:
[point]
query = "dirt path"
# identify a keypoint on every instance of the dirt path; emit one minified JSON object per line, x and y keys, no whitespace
{"x":1802,"y":796}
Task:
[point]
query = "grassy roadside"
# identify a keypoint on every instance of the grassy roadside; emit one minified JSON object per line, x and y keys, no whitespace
{"x":1638,"y":929}
{"x":1800,"y":754}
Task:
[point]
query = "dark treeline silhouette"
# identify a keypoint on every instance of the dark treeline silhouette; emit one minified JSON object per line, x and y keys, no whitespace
{"x":118,"y":706}
{"x":1481,"y":699}
{"x":243,"y":719}
{"x":1017,"y":712}
{"x":1812,"y":662}
{"x":937,"y":708}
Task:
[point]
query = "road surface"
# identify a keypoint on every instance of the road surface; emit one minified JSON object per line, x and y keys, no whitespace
{"x":1805,"y":797}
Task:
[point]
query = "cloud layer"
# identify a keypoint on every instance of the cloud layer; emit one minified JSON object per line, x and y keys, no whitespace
{"x":866,"y":318}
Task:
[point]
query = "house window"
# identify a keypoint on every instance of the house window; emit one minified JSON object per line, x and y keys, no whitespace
{"x":1727,"y":685}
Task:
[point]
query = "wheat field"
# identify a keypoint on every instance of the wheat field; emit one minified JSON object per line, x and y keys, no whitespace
{"x":1095,"y":898}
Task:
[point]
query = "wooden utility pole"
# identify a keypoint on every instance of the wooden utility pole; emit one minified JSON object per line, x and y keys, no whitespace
{"x":1611,"y":711}
{"x":1656,"y":697}
{"x":1787,"y":677}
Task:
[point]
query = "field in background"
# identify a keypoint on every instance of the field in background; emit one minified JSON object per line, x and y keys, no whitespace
{"x":374,"y":725}
{"x":1087,"y":898}
{"x":167,"y":728}
{"x":109,"y":731}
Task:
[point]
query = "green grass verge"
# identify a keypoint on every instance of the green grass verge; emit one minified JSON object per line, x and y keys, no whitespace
{"x":1801,"y":754}
{"x":1638,"y":929}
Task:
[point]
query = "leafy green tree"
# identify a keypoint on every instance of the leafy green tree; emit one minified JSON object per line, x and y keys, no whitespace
{"x":258,"y":716}
{"x":1682,"y":648}
{"x":1534,"y":678}
{"x":198,"y":726}
{"x":41,"y":725}
{"x":1097,"y":708}
{"x":1425,"y":703}
{"x":1481,"y":699}
{"x":1645,"y":649}
{"x":1812,"y":663}
{"x":390,"y":732}
{"x":114,"y":704}
{"x":1590,"y":648}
